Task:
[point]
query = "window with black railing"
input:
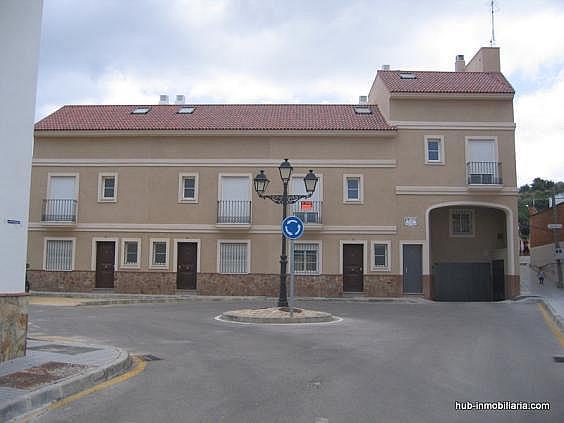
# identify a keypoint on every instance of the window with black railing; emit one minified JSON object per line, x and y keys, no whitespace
{"x":484,"y":173}
{"x":308,"y":211}
{"x":59,"y":210}
{"x":234,"y":211}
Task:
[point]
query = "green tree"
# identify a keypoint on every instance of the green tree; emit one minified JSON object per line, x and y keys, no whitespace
{"x":541,"y":185}
{"x":524,"y":229}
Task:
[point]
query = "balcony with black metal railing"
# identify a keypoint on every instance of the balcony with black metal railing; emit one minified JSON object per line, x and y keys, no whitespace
{"x":480,"y":174}
{"x":309,"y":211}
{"x":234,"y":213}
{"x":59,"y":211}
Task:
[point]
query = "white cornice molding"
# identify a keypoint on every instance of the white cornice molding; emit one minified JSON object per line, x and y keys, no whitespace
{"x":430,"y":125}
{"x":132,"y":227}
{"x":205,"y":228}
{"x":339,"y":163}
{"x":360,"y":230}
{"x":217,"y":133}
{"x":454,"y":190}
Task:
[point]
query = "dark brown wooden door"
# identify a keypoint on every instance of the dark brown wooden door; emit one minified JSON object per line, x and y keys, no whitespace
{"x":105,"y":256}
{"x":353,"y":262}
{"x":187,"y":265}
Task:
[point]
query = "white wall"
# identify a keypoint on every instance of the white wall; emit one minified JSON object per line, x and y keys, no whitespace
{"x":543,"y":256}
{"x":20,"y":27}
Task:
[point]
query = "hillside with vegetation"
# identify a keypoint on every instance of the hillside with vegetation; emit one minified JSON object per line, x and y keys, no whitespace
{"x":535,"y":196}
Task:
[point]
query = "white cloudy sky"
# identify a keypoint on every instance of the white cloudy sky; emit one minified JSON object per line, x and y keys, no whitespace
{"x":298,"y":51}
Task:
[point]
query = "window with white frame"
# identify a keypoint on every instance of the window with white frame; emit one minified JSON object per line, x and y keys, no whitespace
{"x":306,"y":258}
{"x":482,"y":161}
{"x":59,"y":254}
{"x":188,"y":187}
{"x":62,"y":196}
{"x":381,"y":256}
{"x":62,"y":186}
{"x":130,"y":252}
{"x":434,"y":150}
{"x":462,"y":222}
{"x":352,"y":189}
{"x":159,"y":253}
{"x":233,"y":257}
{"x":234,"y":206}
{"x":107,"y":187}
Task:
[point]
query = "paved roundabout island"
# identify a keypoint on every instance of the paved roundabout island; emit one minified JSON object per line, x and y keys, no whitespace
{"x":277,"y":315}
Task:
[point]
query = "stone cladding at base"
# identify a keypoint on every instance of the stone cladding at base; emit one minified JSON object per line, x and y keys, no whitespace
{"x":383,"y":285}
{"x":512,"y":286}
{"x":253,"y":284}
{"x":268,"y":285}
{"x":319,"y":286}
{"x":250,"y":284}
{"x":427,"y":281}
{"x":13,"y":326}
{"x":77,"y":281}
{"x":145,"y":282}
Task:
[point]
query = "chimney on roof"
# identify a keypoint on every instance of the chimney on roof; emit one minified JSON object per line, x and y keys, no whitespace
{"x":485,"y":60}
{"x":180,"y":99}
{"x":163,"y":99}
{"x":385,"y":67}
{"x":362,"y":99}
{"x":459,"y":64}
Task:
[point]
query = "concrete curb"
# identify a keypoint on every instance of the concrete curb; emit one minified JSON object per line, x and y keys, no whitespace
{"x":321,"y":318}
{"x":131,"y":301}
{"x":228,"y":299}
{"x":282,"y":321}
{"x":556,"y":318}
{"x":525,"y":299}
{"x":57,"y":391}
{"x":116,"y":299}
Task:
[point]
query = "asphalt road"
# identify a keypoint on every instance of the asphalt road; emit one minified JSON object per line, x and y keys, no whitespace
{"x":382,"y":363}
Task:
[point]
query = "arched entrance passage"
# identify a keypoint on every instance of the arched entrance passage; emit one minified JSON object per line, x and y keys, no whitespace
{"x":470,"y":251}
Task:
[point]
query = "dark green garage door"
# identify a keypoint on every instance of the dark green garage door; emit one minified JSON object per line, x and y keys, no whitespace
{"x":462,"y":282}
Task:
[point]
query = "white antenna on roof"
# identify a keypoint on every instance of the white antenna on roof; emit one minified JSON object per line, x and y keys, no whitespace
{"x":492,"y":40}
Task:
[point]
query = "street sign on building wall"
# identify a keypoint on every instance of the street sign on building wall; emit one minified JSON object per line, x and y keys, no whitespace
{"x":410,"y":221}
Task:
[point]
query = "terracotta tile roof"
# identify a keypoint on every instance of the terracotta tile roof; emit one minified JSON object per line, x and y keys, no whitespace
{"x":308,"y":117}
{"x":446,"y":82}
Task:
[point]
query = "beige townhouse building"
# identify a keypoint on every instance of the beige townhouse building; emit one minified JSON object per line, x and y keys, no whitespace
{"x":416,"y":193}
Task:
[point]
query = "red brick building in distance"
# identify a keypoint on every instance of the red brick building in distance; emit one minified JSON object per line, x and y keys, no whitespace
{"x":542,"y":240}
{"x":540,"y":234}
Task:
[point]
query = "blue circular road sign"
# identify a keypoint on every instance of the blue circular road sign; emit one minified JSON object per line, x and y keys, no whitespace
{"x":292,"y":227}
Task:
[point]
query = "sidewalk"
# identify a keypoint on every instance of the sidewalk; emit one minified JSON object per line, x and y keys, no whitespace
{"x":552,"y":297}
{"x":53,"y":370}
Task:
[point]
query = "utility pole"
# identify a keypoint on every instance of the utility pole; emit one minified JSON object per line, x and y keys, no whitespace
{"x":556,"y":239}
{"x":492,"y":40}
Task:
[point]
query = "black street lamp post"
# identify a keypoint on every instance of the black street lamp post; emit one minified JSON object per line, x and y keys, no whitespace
{"x":261,"y":183}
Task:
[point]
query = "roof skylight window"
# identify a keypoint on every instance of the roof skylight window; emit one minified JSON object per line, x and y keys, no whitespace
{"x":140,"y":110}
{"x":407,"y":75}
{"x":363,"y":110}
{"x":188,"y":110}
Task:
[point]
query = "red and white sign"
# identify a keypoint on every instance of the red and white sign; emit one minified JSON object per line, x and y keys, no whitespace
{"x":306,"y":205}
